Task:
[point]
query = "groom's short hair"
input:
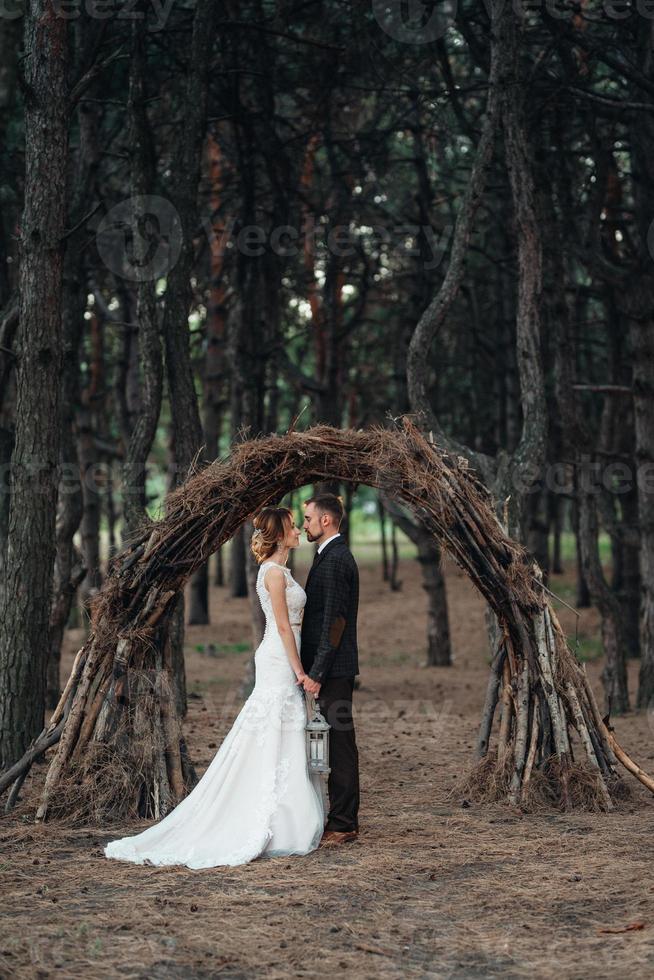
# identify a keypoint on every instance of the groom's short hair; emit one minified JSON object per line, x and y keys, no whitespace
{"x":328,"y":503}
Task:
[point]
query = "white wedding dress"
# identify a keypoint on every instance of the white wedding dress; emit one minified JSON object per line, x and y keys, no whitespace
{"x":256,"y":797}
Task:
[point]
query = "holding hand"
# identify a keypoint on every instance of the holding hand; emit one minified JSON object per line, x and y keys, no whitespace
{"x":300,"y":678}
{"x":311,"y":686}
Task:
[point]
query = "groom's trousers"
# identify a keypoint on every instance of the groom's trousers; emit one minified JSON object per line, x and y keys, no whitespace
{"x":335,"y":700}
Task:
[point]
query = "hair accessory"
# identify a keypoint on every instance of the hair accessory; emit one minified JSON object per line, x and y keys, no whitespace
{"x":257,"y":533}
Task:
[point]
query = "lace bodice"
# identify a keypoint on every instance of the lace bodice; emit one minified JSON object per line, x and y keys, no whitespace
{"x":296,"y":597}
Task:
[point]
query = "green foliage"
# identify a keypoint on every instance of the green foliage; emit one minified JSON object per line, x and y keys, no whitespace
{"x":589,"y":649}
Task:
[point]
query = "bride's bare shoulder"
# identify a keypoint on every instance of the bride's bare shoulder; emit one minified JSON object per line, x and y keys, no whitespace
{"x":273,"y":575}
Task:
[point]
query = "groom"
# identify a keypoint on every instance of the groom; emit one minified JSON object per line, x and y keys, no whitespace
{"x":330,"y":656}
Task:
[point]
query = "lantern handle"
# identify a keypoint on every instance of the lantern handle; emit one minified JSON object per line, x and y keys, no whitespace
{"x":310,"y":704}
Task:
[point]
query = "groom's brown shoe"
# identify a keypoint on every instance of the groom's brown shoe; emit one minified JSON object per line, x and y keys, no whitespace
{"x":332,"y":838}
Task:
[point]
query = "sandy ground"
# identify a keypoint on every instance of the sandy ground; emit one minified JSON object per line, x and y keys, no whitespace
{"x":434,"y":887}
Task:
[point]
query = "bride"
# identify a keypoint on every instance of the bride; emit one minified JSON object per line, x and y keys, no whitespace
{"x":256,"y":797}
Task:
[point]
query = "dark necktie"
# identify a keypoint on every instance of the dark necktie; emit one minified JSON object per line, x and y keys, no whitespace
{"x":313,"y":565}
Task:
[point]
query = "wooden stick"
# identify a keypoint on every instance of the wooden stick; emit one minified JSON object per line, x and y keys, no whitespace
{"x":490,"y":702}
{"x":24,"y":764}
{"x":588,"y":745}
{"x":160,"y":609}
{"x":600,"y":727}
{"x":505,"y":721}
{"x":547,"y":746}
{"x":522,"y":727}
{"x":190,"y":775}
{"x":15,"y":790}
{"x":564,"y":726}
{"x":97,"y":698}
{"x":558,"y":723}
{"x":628,"y":763}
{"x":132,"y":557}
{"x":527,"y":649}
{"x":554,"y":661}
{"x":533,"y":743}
{"x":598,"y":743}
{"x":171,"y":734}
{"x":560,"y":740}
{"x":68,"y":735}
{"x":48,"y":737}
{"x":113,"y":703}
{"x":73,"y":677}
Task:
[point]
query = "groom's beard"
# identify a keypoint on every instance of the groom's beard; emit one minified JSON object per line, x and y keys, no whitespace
{"x":313,"y":537}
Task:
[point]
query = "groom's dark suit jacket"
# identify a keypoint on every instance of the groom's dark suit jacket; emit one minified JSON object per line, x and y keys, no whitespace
{"x":328,"y":645}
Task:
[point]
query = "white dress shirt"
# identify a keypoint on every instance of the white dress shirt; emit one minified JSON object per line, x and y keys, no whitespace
{"x":324,"y":543}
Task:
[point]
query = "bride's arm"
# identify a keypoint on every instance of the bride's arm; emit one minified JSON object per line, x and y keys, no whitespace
{"x":275,"y":581}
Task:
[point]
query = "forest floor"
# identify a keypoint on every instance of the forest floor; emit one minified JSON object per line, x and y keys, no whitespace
{"x":435,"y":886}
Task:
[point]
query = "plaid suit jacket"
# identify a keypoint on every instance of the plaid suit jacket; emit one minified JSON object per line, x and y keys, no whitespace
{"x":328,"y":645}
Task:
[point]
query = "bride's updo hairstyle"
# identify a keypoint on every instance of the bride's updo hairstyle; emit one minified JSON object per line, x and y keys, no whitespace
{"x":271,"y":526}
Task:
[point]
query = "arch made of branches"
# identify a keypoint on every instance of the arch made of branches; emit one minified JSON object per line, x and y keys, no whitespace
{"x":120,"y":749}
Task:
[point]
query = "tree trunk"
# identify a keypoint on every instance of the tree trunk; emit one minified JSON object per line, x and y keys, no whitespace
{"x":382,"y":534}
{"x":557,"y":512}
{"x":10,"y":58}
{"x":538,"y":528}
{"x":395,"y":582}
{"x":576,"y":441}
{"x":439,"y":650}
{"x":187,"y":441}
{"x":614,"y":674}
{"x":639,"y":301}
{"x":643,"y":361}
{"x":345,"y":527}
{"x":238,"y":583}
{"x":219,"y":565}
{"x":142,"y":435}
{"x":439,"y":646}
{"x":642,"y":339}
{"x":529,"y":456}
{"x":214,"y":380}
{"x":91,"y":512}
{"x":82,"y":409}
{"x":258,"y":615}
{"x":69,"y":567}
{"x":27,"y":580}
{"x":582,"y":599}
{"x":127,"y":391}
{"x":6,"y":449}
{"x":630,"y":586}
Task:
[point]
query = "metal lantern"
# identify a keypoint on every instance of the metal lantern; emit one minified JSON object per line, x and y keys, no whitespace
{"x":317,"y":737}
